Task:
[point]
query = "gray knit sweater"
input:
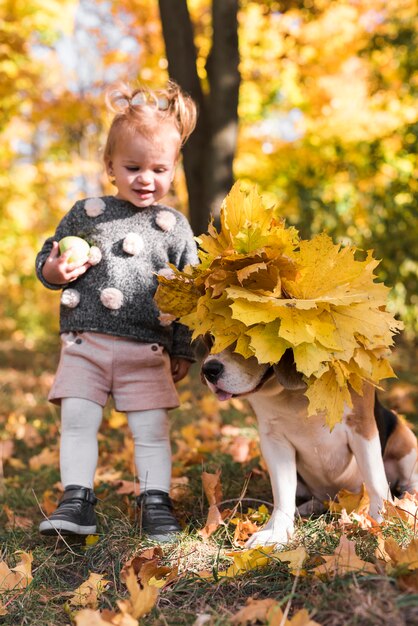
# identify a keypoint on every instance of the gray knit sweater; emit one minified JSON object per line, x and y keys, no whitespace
{"x":116,"y":296}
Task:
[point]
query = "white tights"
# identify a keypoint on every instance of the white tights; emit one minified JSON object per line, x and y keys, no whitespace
{"x":80,"y":423}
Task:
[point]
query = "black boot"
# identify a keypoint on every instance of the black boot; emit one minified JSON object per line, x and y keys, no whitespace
{"x":157,"y":519}
{"x":74,"y":515}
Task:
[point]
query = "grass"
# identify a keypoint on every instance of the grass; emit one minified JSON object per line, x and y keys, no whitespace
{"x":59,"y":567}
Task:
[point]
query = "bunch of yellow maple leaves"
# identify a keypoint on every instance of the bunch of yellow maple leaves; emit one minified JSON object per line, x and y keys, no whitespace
{"x":261,"y":289}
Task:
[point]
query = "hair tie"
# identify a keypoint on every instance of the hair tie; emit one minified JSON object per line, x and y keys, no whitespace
{"x":142,"y":99}
{"x":139,"y":100}
{"x":120,"y":102}
{"x":163,"y":103}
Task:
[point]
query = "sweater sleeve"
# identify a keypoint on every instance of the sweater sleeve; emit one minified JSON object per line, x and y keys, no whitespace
{"x":181,"y":334}
{"x":67,"y":226}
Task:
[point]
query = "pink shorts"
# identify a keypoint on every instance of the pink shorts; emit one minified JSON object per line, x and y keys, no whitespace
{"x":94,"y":366}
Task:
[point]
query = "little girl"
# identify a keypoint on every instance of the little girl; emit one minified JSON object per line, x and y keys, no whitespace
{"x":113,"y":339}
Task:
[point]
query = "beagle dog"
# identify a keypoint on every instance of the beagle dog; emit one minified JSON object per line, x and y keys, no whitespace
{"x":371,"y":445}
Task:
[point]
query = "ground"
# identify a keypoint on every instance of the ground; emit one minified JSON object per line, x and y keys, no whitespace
{"x":207,"y":437}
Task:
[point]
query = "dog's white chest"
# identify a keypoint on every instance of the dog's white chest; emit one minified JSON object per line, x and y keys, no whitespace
{"x":323,"y":458}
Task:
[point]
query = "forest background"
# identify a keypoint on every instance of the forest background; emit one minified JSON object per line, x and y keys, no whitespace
{"x":313,"y":101}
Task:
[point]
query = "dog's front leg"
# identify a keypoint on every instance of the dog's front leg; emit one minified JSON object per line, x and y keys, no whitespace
{"x":280,"y":458}
{"x":368,"y":454}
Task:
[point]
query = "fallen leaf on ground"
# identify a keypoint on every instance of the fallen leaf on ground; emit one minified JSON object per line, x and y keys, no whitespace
{"x":212,"y":486}
{"x":91,"y":540}
{"x":408,"y":582}
{"x":89,"y":592}
{"x":16,"y":521}
{"x":268,"y":611}
{"x":343,"y":561}
{"x":213,"y":521}
{"x":127,"y":487}
{"x":213,"y":490}
{"x":246,"y":560}
{"x":49,"y":502}
{"x":148,"y":555}
{"x":406,"y":557}
{"x":405,"y":509}
{"x":255,"y":610}
{"x":244,"y":528}
{"x":358,"y":520}
{"x":141,"y":600}
{"x":179,"y":486}
{"x":240,"y":448}
{"x":17,"y":577}
{"x":6,"y":449}
{"x":88,"y":617}
{"x":351,"y":502}
{"x":275,"y":617}
{"x":148,"y":570}
{"x":47,"y":457}
{"x":295,"y":558}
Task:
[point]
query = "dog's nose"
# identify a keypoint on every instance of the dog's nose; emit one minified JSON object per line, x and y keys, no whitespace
{"x":212,"y":371}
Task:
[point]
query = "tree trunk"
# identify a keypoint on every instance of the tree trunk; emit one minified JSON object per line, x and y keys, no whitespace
{"x":209,"y":153}
{"x":224,"y":81}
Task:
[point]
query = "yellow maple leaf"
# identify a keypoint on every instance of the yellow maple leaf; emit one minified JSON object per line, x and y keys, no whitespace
{"x":266,"y":343}
{"x":177,"y":293}
{"x":328,"y":271}
{"x":328,"y":397}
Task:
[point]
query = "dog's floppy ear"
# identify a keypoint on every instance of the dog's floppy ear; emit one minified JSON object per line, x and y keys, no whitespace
{"x":202,"y":346}
{"x":286,"y":372}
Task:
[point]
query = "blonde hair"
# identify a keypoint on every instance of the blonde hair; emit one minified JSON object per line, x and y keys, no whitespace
{"x":144,"y":110}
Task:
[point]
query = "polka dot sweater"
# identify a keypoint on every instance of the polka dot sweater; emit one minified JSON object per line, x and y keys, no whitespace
{"x":131,"y":246}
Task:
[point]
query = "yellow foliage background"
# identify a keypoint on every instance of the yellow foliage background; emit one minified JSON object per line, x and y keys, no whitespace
{"x":328,"y":125}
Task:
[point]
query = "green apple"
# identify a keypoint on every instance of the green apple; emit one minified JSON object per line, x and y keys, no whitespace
{"x":79,"y":249}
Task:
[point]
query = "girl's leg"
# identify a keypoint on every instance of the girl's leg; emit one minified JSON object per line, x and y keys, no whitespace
{"x":153,"y":462}
{"x":150,"y":431}
{"x":80,"y":423}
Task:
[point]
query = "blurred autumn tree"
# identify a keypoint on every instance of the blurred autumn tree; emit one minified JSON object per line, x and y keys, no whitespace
{"x":327,"y":120}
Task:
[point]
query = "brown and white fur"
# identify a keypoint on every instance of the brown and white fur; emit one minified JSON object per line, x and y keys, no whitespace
{"x":371,"y":445}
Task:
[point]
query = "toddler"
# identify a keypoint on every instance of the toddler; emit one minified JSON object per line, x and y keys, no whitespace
{"x":114,"y":341}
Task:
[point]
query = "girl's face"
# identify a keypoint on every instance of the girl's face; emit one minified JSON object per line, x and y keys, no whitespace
{"x":143,"y":168}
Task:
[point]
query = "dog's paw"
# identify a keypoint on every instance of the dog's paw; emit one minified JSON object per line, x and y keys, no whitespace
{"x":377,"y":507}
{"x":278,"y":530}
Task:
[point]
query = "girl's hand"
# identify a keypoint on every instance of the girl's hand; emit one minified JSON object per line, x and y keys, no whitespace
{"x":179,"y":368}
{"x":58,"y":271}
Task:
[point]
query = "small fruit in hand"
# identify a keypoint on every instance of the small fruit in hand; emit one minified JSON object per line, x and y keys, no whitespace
{"x":79,"y":249}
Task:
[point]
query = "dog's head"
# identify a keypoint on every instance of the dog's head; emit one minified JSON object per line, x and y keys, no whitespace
{"x":229,"y":374}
